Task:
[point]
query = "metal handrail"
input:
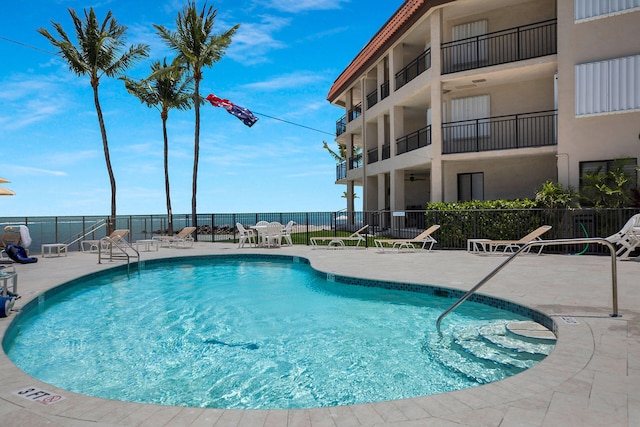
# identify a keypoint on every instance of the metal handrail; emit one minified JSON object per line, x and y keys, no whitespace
{"x":526,"y":247}
{"x":92,"y":229}
{"x":123,"y":250}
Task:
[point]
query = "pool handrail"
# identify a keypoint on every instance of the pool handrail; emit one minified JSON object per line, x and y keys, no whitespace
{"x":524,"y":248}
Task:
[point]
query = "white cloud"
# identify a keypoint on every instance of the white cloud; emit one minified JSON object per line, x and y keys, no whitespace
{"x":294,"y":6}
{"x":253,"y":41}
{"x":287,"y":81}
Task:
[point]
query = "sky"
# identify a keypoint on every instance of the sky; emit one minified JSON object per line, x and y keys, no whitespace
{"x":281,"y":63}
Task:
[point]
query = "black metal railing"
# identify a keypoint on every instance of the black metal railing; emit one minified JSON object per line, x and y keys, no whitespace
{"x":355,"y":112}
{"x":355,"y":162}
{"x":414,"y":140}
{"x":386,"y":151}
{"x":372,"y":155}
{"x":372,"y":99}
{"x":384,"y":90}
{"x":456,"y":225}
{"x":341,"y":125}
{"x":341,"y":171}
{"x":416,"y":67}
{"x":501,"y":47}
{"x":500,"y":133}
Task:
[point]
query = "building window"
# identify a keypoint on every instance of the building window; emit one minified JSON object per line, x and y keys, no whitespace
{"x":470,"y":186}
{"x":603,"y":167}
{"x":585,"y":9}
{"x":608,"y":86}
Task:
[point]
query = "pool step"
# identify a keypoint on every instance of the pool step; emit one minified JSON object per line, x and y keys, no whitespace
{"x":483,"y":352}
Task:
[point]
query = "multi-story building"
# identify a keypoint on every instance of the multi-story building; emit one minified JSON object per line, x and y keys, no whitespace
{"x":488,"y":99}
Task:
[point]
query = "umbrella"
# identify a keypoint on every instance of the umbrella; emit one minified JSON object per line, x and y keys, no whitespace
{"x":3,"y":180}
{"x":6,"y":192}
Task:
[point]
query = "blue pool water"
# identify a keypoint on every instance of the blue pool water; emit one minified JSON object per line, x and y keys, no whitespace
{"x":223,"y":332}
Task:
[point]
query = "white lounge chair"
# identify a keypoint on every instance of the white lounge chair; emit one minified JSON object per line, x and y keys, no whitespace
{"x":628,"y":238}
{"x":399,"y":244}
{"x":182,"y":239}
{"x":338,"y":241}
{"x":246,"y":236}
{"x":273,"y":234}
{"x":488,"y":246}
{"x":115,"y":237}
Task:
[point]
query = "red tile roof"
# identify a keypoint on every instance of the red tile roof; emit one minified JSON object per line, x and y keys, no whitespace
{"x":402,"y":19}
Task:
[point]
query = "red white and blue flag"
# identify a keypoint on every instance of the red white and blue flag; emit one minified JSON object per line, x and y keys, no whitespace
{"x":241,"y":113}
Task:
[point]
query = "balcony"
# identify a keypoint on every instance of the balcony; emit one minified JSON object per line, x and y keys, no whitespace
{"x":500,"y":133}
{"x":355,"y":162}
{"x":355,"y":112}
{"x":386,"y":151}
{"x":372,"y":99}
{"x":500,"y":47}
{"x":413,"y":141}
{"x":372,"y":155}
{"x":416,"y":67}
{"x":341,"y":125}
{"x":341,"y":171}
{"x":384,"y":90}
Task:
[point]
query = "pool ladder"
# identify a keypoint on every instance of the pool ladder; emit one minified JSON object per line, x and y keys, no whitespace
{"x":526,"y":248}
{"x":122,"y":248}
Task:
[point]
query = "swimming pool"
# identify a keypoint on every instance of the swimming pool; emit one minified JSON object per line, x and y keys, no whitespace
{"x":249,"y":332}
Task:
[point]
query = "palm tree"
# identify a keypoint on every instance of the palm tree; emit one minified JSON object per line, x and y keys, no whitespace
{"x":167,"y":87}
{"x":197,"y":47}
{"x":98,"y":53}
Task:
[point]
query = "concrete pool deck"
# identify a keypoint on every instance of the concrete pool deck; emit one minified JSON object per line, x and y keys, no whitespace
{"x":592,"y":378}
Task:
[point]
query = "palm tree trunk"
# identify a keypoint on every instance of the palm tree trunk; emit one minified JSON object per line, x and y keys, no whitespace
{"x":166,"y":173}
{"x":105,"y":144}
{"x":196,"y":152}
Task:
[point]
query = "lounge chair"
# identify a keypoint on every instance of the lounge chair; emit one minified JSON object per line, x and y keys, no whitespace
{"x":246,"y":236}
{"x":115,"y":237}
{"x":338,"y":241}
{"x":410,"y":244}
{"x":628,"y":238}
{"x":182,"y":239}
{"x":488,"y":246}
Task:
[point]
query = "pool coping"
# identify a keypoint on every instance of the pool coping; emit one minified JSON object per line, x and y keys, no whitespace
{"x":583,"y":378}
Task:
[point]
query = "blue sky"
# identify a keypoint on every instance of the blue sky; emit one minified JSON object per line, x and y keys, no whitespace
{"x":281,"y":63}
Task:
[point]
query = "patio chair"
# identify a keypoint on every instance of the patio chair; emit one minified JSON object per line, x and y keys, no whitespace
{"x":286,"y":233}
{"x":115,"y":237}
{"x":488,"y":246}
{"x":628,"y":238}
{"x":246,"y":236}
{"x":410,"y":244}
{"x":338,"y":241}
{"x":183,"y":239}
{"x":273,"y":234}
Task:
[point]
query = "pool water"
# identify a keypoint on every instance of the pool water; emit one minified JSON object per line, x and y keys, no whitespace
{"x":230,"y":333}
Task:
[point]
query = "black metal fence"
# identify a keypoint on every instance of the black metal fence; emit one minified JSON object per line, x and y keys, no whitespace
{"x":456,"y":225}
{"x":414,"y":140}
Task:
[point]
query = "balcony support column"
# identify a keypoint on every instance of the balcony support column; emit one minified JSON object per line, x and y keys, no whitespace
{"x":437,"y":106}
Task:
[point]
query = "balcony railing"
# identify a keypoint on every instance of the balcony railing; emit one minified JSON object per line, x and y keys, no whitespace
{"x":355,"y":162}
{"x":341,"y":125}
{"x":386,"y":151}
{"x":372,"y":99}
{"x":413,"y":141}
{"x":341,"y":171}
{"x":372,"y":155}
{"x":384,"y":90}
{"x":500,"y":47}
{"x":416,"y":67}
{"x":500,"y":133}
{"x":355,"y":112}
